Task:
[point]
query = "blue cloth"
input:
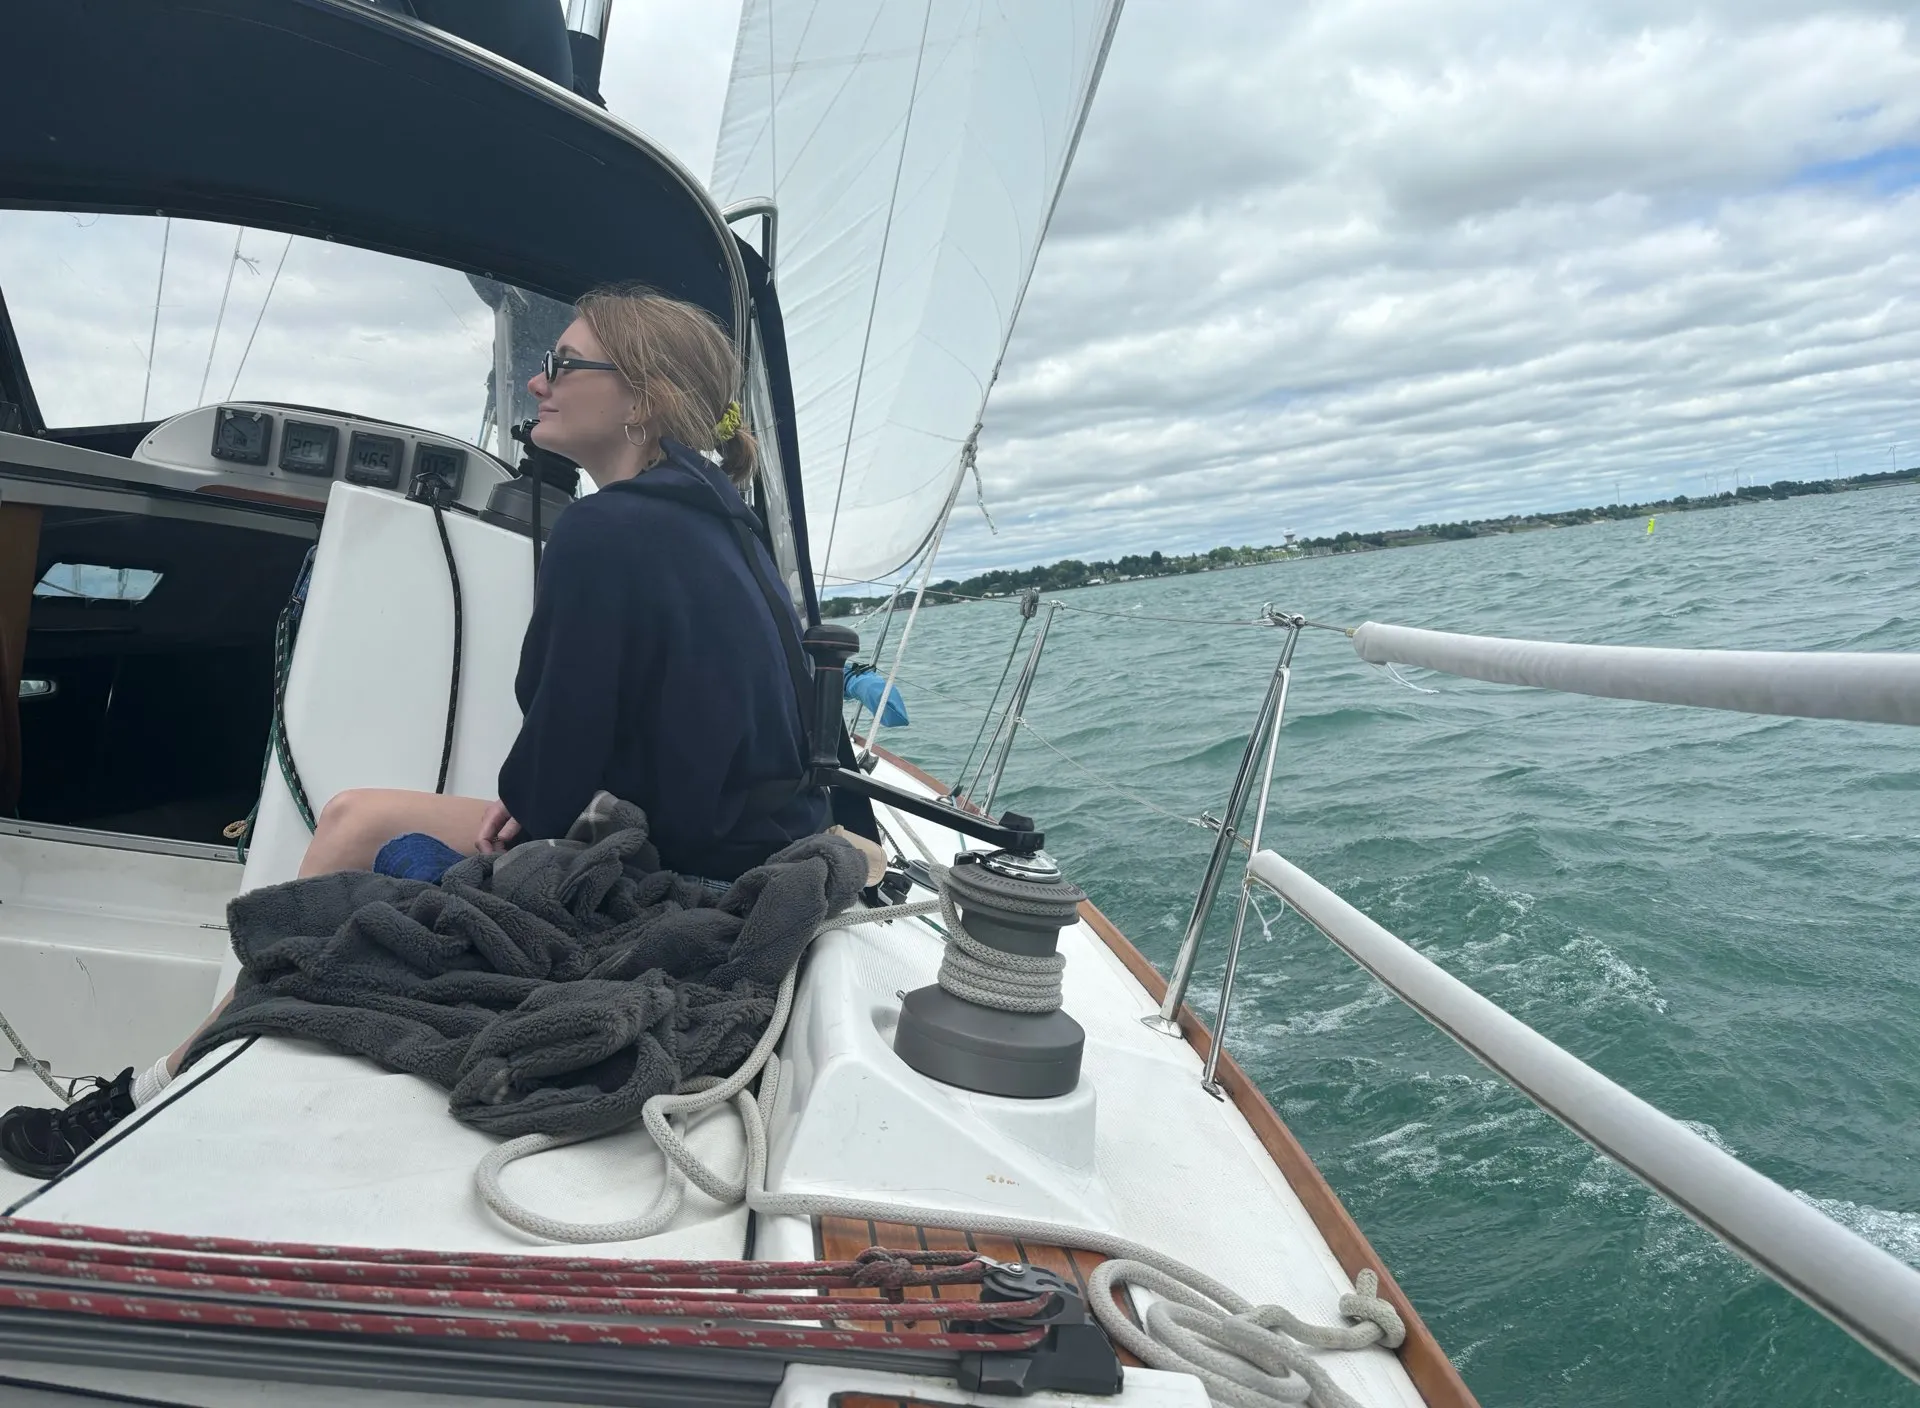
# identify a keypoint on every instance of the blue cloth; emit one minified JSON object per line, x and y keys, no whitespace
{"x":416,"y":856}
{"x":866,"y":685}
{"x":652,"y":669}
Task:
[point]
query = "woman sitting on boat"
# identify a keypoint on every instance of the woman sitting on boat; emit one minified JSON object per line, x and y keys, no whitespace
{"x":652,"y":667}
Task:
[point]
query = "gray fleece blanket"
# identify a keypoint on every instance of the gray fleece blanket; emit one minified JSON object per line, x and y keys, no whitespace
{"x":554,"y":988}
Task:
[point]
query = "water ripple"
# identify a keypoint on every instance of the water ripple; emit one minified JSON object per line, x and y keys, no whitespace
{"x":1714,"y":910}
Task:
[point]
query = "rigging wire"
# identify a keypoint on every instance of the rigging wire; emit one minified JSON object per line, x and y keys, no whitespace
{"x":1264,"y":621}
{"x":1113,"y":786}
{"x":960,"y":777}
{"x":220,"y":317}
{"x":1168,"y":620}
{"x":153,"y":334}
{"x":261,"y":317}
{"x":879,"y":646}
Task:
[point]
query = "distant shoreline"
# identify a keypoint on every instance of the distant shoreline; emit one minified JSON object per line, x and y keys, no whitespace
{"x":1070,"y":573}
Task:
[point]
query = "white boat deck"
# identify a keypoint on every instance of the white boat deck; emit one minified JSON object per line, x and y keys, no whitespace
{"x":282,"y":1140}
{"x":287,"y":1141}
{"x":103,"y":951}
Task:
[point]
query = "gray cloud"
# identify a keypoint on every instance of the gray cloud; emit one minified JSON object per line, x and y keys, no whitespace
{"x":1344,"y":265}
{"x":343,"y":328}
{"x":1337,"y":264}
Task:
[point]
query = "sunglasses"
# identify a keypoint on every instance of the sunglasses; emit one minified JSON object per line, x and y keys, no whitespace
{"x":552,"y":366}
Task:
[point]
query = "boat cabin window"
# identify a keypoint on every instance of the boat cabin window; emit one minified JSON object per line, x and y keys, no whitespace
{"x":82,"y":581}
{"x":148,"y":606}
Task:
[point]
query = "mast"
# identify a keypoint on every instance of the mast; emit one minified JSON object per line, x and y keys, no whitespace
{"x":587,"y":22}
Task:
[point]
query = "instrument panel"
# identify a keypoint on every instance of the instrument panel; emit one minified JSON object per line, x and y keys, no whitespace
{"x":306,"y":450}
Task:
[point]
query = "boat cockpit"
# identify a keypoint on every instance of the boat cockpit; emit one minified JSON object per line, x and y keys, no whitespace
{"x":165,"y":463}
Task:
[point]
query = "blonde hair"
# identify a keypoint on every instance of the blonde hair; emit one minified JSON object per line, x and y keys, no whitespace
{"x":682,"y":364}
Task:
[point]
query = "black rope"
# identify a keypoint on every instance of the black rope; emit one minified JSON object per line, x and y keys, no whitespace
{"x":459,"y":632}
{"x":539,"y":492}
{"x":286,"y":630}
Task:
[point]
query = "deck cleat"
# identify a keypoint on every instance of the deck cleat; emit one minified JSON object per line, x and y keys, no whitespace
{"x":1075,"y":1357}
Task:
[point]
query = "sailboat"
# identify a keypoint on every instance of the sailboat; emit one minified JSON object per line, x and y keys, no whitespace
{"x":320,"y":580}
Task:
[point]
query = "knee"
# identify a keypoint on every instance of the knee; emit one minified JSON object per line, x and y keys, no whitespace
{"x":347,"y":813}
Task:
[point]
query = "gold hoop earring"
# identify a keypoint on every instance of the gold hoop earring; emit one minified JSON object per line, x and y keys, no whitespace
{"x":627,"y":430}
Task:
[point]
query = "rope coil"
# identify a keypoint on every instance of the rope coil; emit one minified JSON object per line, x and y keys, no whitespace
{"x":991,"y":977}
{"x":1242,"y":1352}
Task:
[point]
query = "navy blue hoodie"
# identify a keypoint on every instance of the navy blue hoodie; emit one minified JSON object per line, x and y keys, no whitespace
{"x":652,"y":668}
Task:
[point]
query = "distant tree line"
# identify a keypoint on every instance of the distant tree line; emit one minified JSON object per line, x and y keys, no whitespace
{"x":1072,"y":572}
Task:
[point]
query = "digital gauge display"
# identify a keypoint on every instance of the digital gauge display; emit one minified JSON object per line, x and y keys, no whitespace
{"x":241,"y":436}
{"x":375,"y":460}
{"x":440,"y":462}
{"x":308,"y":449}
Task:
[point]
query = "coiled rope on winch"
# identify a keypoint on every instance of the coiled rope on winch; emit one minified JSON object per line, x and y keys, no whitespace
{"x":991,"y":977}
{"x":1246,"y":1354}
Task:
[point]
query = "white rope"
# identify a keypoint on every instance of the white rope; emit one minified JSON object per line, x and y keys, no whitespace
{"x":1239,"y":1350}
{"x":991,"y":977}
{"x":34,"y":1064}
{"x":694,"y":1098}
{"x":1392,"y":672}
{"x":1245,"y":1354}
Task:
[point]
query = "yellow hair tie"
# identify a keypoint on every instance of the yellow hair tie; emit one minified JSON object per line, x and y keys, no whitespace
{"x":729,"y":425}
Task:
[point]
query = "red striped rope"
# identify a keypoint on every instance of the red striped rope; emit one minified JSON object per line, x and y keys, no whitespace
{"x":832,"y":1276}
{"x":873,"y":1267}
{"x":704,"y":1334}
{"x":225,"y":1281}
{"x":717,"y":1307}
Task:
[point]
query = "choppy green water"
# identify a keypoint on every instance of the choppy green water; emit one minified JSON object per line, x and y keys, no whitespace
{"x":1717,"y":911}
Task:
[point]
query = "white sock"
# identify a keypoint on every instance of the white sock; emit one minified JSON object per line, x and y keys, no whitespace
{"x":150,"y":1082}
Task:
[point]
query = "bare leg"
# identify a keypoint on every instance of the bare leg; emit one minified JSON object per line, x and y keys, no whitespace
{"x":352,"y":828}
{"x":355,"y":824}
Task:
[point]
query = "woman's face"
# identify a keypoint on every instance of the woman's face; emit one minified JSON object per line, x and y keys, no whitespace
{"x":585,"y":412}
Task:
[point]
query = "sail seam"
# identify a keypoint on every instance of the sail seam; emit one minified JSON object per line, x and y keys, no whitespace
{"x":1094,"y":73}
{"x":879,"y":275}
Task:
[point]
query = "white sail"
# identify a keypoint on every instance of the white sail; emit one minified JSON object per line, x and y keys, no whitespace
{"x":914,"y":149}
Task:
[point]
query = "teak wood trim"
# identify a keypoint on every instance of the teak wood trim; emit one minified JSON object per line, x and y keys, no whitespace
{"x":19,"y":570}
{"x":844,"y":1238}
{"x":1425,"y":1362}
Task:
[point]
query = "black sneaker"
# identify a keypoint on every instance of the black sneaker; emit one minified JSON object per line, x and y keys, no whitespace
{"x":41,"y":1143}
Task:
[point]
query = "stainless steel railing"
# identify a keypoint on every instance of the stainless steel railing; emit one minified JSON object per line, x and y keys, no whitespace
{"x":1869,"y":1294}
{"x":1000,"y":747}
{"x":1265,"y":735}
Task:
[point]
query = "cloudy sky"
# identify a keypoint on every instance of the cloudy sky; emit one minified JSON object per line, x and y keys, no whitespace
{"x":1320,"y":265}
{"x":1367,"y":263}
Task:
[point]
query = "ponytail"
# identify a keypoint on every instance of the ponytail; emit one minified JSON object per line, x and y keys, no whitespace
{"x":739,"y":456}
